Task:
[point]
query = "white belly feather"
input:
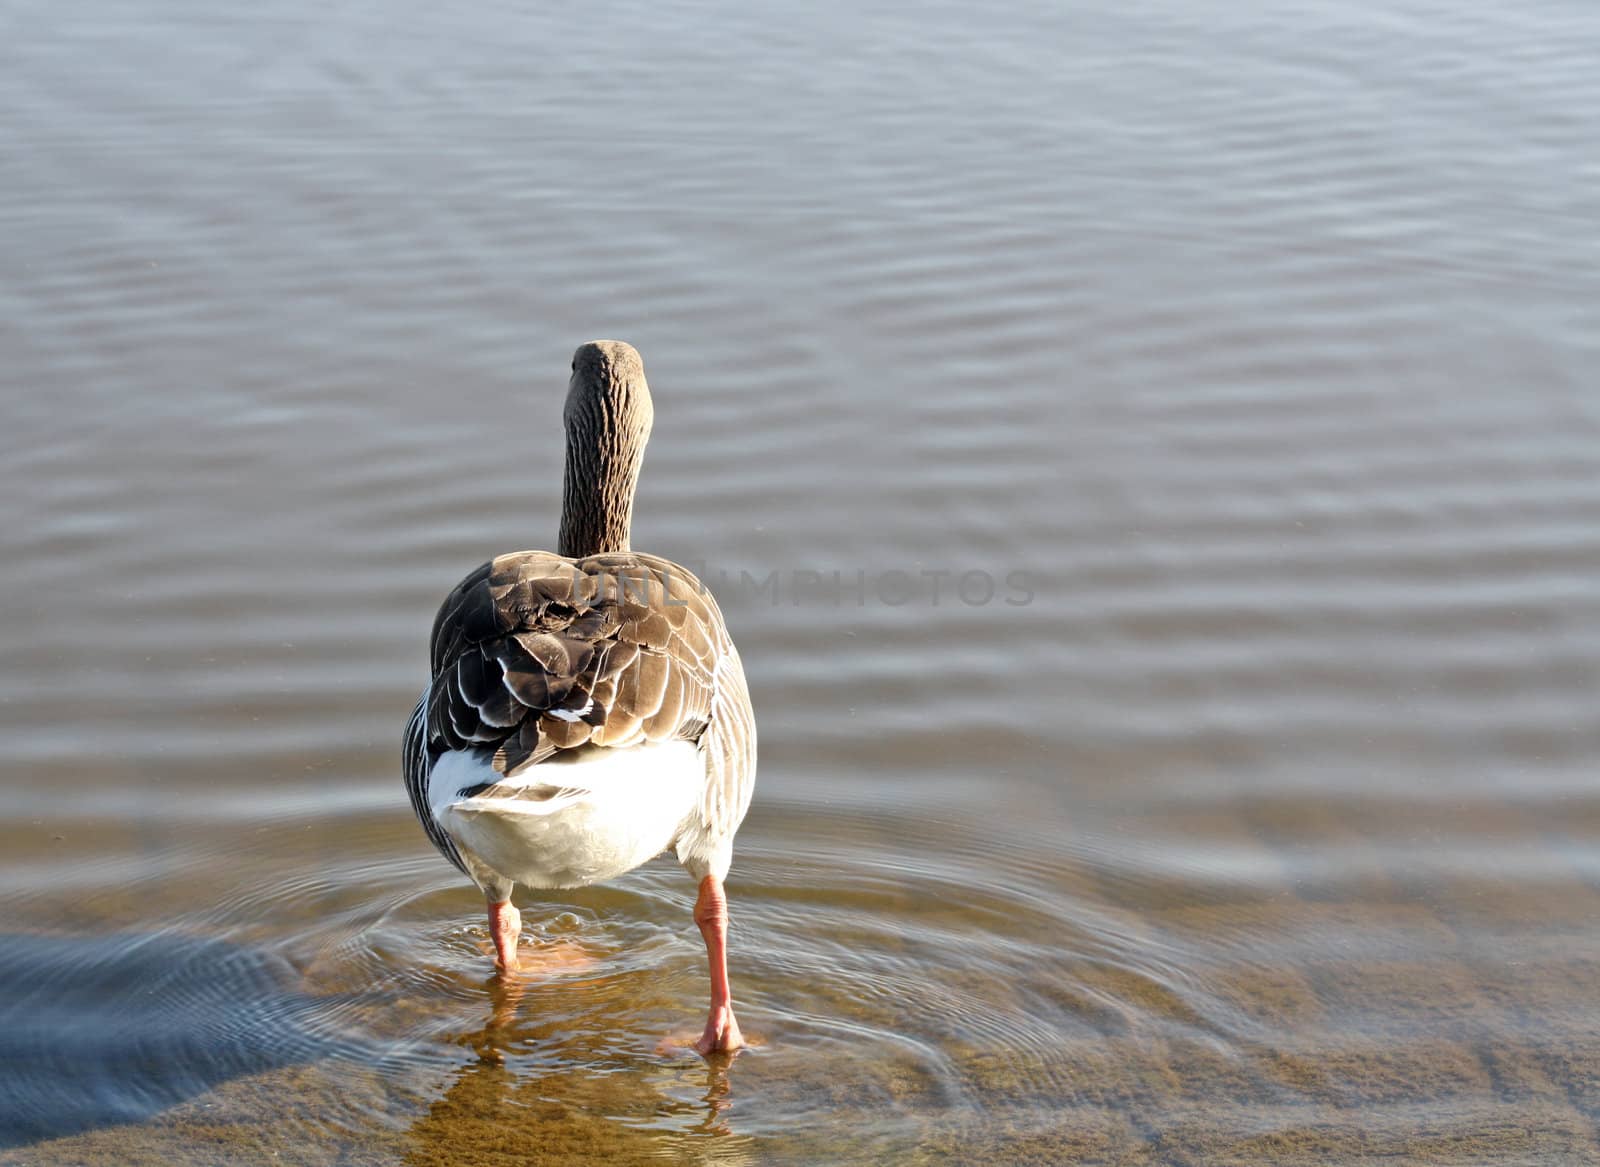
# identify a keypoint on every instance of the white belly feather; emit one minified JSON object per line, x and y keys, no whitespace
{"x":579,"y":821}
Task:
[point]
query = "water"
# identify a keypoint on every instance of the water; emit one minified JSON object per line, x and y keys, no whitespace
{"x":1247,"y":351}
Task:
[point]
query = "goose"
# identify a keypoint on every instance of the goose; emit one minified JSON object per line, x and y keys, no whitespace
{"x":586,"y":708}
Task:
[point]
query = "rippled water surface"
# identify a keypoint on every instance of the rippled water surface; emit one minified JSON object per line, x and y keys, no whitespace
{"x":1181,"y":752}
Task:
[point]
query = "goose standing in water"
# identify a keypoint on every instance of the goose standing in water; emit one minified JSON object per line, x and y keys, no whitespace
{"x":587,"y":709}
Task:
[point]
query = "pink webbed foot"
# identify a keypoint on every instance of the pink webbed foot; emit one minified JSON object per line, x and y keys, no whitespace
{"x":721,"y":1034}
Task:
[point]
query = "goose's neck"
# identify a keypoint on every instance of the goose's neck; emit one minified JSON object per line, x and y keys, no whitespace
{"x":597,"y":498}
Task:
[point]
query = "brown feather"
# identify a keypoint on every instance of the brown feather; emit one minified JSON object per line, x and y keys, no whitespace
{"x":535,"y":653}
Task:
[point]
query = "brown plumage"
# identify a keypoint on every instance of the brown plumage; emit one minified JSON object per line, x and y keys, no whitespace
{"x":587,"y":708}
{"x":535,"y":653}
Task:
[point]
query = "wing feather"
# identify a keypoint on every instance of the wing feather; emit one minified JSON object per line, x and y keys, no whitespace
{"x":534,"y":653}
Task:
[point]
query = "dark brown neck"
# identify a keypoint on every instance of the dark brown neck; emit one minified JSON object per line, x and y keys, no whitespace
{"x":603,"y":461}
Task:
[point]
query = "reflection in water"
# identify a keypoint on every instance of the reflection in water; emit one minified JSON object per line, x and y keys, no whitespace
{"x":569,"y":1102}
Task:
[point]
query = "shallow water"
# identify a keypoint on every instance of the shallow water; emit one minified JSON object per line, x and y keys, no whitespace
{"x":1245,"y":352}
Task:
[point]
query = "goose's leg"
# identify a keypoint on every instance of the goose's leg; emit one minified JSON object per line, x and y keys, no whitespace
{"x":505,"y":924}
{"x":711,"y":914}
